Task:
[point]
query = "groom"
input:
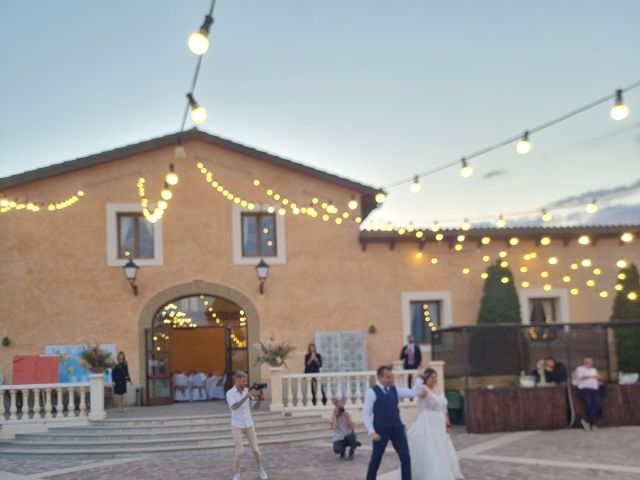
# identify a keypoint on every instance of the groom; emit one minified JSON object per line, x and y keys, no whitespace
{"x":382,"y":420}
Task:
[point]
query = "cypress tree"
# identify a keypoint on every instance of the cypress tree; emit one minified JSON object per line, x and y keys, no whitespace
{"x":627,"y":308}
{"x":500,"y":302}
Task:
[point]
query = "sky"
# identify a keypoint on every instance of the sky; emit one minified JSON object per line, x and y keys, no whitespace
{"x":370,"y":90}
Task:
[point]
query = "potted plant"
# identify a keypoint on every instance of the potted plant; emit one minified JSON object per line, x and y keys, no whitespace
{"x":274,"y":354}
{"x":95,"y":358}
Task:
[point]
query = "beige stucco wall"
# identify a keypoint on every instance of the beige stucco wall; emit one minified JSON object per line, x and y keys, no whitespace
{"x":56,"y":287}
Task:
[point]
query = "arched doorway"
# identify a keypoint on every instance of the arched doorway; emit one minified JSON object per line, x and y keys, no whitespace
{"x":195,"y":328}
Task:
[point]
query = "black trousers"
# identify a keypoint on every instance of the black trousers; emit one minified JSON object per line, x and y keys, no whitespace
{"x":314,"y":389}
{"x":339,"y":446}
{"x":398,"y":439}
{"x":592,"y":403}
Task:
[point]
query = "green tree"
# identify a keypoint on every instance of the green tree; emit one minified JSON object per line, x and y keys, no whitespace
{"x":500,"y":303}
{"x":626,"y":306}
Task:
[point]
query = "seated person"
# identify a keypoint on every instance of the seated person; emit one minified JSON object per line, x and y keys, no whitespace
{"x":554,"y":372}
{"x":343,"y":431}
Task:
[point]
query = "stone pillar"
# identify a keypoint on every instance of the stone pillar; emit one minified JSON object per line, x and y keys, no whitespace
{"x":96,"y":389}
{"x":438,"y":366}
{"x":276,"y":389}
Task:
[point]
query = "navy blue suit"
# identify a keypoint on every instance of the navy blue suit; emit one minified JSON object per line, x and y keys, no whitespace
{"x":387,"y":424}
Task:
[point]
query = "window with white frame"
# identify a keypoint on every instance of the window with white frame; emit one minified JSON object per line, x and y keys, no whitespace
{"x":544,"y":306}
{"x":131,"y":235}
{"x":424,"y":313}
{"x":257,"y":235}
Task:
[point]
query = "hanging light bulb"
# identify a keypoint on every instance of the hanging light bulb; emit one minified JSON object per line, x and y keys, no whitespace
{"x":198,"y":42}
{"x":179,"y":153}
{"x":198,"y":113}
{"x":171,"y":177}
{"x":619,"y":111}
{"x":546,"y":216}
{"x":380,"y":197}
{"x":465,"y":225}
{"x":416,"y":186}
{"x":524,"y":145}
{"x":626,"y":237}
{"x":501,"y":222}
{"x":435,"y":227}
{"x":166,"y":193}
{"x":353,"y":203}
{"x":466,"y":170}
{"x":592,"y":206}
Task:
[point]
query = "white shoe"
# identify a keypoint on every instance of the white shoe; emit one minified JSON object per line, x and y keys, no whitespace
{"x":263,"y":475}
{"x":585,"y":425}
{"x":236,"y":476}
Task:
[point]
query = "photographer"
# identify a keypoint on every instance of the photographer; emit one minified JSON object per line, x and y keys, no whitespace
{"x":343,"y":431}
{"x":239,"y":399}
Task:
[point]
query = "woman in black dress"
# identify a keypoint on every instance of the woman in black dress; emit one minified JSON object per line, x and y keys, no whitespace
{"x":120,"y":377}
{"x":312,"y":364}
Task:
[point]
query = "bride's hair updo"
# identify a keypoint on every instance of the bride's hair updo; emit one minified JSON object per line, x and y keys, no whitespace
{"x":426,"y":374}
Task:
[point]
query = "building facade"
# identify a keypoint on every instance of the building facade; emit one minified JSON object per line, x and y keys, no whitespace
{"x":198,"y":304}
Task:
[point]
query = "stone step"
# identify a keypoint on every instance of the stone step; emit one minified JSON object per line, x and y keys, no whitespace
{"x":91,"y":432}
{"x":113,"y":451}
{"x":69,"y":441}
{"x":114,"y":421}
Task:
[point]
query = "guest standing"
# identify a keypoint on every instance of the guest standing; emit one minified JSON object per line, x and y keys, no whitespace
{"x":120,"y":377}
{"x":411,"y":355}
{"x":312,"y":364}
{"x":588,"y":386}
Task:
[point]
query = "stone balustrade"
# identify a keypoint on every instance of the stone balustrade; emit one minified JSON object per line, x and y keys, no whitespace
{"x":29,"y":407}
{"x":294,"y":392}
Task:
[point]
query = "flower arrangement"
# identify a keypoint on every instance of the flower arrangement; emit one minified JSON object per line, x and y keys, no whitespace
{"x":95,"y":358}
{"x":274,"y":354}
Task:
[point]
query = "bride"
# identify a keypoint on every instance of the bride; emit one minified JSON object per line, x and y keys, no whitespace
{"x":432,"y":454}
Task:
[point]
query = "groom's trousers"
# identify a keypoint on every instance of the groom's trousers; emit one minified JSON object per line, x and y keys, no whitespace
{"x":399,"y":441}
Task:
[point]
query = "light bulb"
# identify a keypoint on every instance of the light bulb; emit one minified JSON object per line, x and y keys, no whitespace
{"x":171,"y":178}
{"x":166,"y":194}
{"x":501,"y":222}
{"x":353,"y":203}
{"x":199,"y":114}
{"x":198,"y":43}
{"x":435,"y":227}
{"x":466,"y":170}
{"x":524,"y":145}
{"x":465,"y":225}
{"x":546,"y":216}
{"x":416,"y":186}
{"x":584,"y":240}
{"x":619,"y":111}
{"x":380,"y":197}
{"x":626,"y":237}
{"x":162,"y":205}
{"x":179,"y":153}
{"x":592,"y":206}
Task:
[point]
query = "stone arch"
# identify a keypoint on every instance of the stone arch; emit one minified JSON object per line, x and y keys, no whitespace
{"x":198,"y":287}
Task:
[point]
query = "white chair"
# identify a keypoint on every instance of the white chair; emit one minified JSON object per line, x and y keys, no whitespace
{"x":181,"y":388}
{"x":215,"y":388}
{"x":198,"y":387}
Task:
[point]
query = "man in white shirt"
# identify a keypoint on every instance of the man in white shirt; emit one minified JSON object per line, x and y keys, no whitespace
{"x":239,"y":400}
{"x":589,"y":388}
{"x":382,"y":420}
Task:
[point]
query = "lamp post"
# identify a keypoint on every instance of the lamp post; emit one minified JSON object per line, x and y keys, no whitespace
{"x":131,"y":272}
{"x":263,"y":270}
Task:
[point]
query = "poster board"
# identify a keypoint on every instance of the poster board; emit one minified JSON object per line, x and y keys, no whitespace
{"x":35,"y":369}
{"x":71,"y":369}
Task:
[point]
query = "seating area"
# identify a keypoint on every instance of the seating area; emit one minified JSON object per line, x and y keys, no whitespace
{"x":198,"y":386}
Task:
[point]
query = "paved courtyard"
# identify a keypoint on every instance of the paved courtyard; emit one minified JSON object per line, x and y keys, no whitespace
{"x":606,"y":454}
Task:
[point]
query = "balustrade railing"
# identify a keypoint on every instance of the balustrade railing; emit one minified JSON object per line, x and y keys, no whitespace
{"x":44,"y":401}
{"x":300,"y":390}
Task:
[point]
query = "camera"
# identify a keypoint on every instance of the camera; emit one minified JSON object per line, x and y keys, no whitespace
{"x":259,"y":386}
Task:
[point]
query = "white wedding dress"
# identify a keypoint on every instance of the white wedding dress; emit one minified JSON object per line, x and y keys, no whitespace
{"x":432,"y":454}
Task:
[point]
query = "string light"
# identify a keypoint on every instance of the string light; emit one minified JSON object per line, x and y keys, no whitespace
{"x":627,"y":237}
{"x":621,"y":263}
{"x":619,"y":111}
{"x":198,"y":42}
{"x":7,"y":205}
{"x":592,"y":207}
{"x":416,"y":186}
{"x":524,"y":145}
{"x":198,"y":113}
{"x":353,"y":203}
{"x":466,"y":170}
{"x":465,"y":225}
{"x":380,"y":197}
{"x":172,"y":178}
{"x":546,"y":216}
{"x":584,"y":240}
{"x":501,"y":222}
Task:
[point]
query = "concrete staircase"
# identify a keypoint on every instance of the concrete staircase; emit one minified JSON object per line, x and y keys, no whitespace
{"x":119,"y":436}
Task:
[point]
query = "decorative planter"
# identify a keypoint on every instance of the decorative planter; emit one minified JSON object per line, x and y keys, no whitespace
{"x":98,"y":369}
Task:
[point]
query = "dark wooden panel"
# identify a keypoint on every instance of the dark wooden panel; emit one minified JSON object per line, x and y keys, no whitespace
{"x":621,"y":406}
{"x":631,"y":401}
